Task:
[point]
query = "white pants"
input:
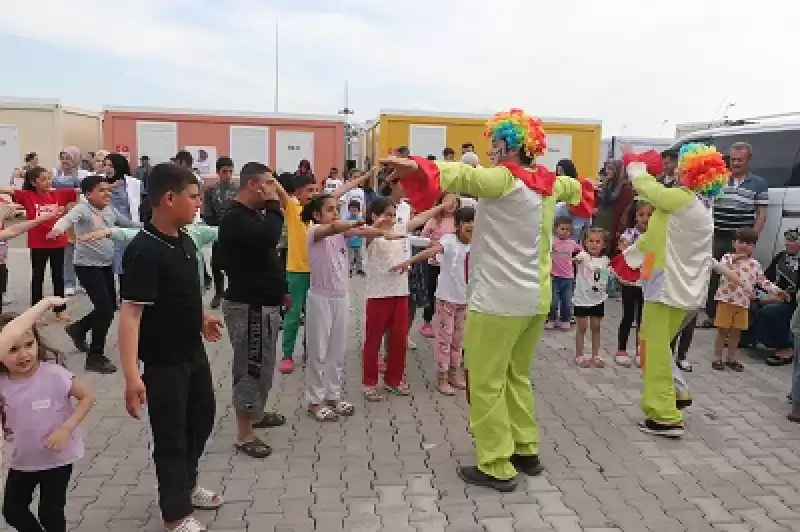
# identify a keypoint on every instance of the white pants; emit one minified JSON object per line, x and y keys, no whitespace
{"x":326,"y":334}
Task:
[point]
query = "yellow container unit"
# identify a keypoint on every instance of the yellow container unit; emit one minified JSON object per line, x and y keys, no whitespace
{"x":428,"y":133}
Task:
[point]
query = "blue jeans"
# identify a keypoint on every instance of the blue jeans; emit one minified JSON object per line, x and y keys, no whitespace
{"x":770,"y":326}
{"x":70,"y":280}
{"x":561,"y":306}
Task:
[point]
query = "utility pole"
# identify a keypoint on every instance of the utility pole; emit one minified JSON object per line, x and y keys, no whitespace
{"x":277,"y":71}
{"x":348,"y":129}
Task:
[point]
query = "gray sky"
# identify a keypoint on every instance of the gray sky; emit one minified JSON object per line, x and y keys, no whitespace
{"x":632,"y":64}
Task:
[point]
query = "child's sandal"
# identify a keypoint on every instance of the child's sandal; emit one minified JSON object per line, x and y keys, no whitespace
{"x":456,"y":382}
{"x":718,"y":365}
{"x":583,"y":361}
{"x":401,"y":389}
{"x":372,"y":395}
{"x":343,"y":408}
{"x":323,"y":413}
{"x":444,"y":387}
{"x":735,"y":365}
{"x":598,"y":362}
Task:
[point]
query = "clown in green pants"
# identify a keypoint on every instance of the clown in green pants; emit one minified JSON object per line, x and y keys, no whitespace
{"x":499,"y":349}
{"x":660,"y":324}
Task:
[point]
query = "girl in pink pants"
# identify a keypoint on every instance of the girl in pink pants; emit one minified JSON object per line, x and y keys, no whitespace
{"x":451,"y":300}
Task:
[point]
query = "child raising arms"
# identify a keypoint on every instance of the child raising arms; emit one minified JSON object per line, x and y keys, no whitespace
{"x":40,"y":418}
{"x":591,"y":281}
{"x":328,"y":304}
{"x":451,"y":299}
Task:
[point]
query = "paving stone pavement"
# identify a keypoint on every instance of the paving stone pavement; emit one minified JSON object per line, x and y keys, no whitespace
{"x":391,"y":467}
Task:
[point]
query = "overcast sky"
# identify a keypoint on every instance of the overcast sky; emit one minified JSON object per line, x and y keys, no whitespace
{"x":631,"y":63}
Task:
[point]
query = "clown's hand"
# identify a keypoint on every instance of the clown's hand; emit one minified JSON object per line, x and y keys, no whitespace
{"x":400,"y":165}
{"x":636,"y":169}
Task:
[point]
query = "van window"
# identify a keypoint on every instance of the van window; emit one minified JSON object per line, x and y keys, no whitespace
{"x":774,"y":154}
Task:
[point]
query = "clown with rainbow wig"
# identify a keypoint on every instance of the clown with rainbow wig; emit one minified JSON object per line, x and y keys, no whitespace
{"x":509,"y":285}
{"x":674,"y":257}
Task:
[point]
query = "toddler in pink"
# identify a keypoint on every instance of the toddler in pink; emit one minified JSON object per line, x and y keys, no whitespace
{"x":563,"y":272}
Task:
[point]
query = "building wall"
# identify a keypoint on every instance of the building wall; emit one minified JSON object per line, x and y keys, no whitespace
{"x":36,"y":126}
{"x":119,"y":129}
{"x":586,"y":137}
{"x":82,"y":129}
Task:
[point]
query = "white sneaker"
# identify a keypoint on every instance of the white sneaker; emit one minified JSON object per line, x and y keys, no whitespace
{"x":412,"y":345}
{"x":69,"y":291}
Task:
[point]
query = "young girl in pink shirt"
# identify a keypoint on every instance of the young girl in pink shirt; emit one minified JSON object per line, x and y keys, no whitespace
{"x":434,"y":229}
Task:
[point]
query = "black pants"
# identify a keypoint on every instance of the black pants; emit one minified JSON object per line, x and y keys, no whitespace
{"x":3,"y":283}
{"x":684,"y":339}
{"x":217,"y":273}
{"x":180,"y":405}
{"x":722,"y":244}
{"x":39,"y":260}
{"x":632,"y":301}
{"x":52,"y":499}
{"x":98,"y":281}
{"x":431,"y":280}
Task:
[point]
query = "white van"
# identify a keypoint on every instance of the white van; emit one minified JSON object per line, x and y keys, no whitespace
{"x":776,"y":158}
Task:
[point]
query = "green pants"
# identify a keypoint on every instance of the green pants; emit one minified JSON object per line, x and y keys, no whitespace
{"x":660,"y":324}
{"x":298,"y":289}
{"x":498,"y":351}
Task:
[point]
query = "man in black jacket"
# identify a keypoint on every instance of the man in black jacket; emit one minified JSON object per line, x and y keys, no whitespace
{"x":248,"y":238}
{"x":216,"y":200}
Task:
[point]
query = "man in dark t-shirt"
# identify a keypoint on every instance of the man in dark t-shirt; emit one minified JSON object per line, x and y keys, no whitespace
{"x":162,"y":323}
{"x":216,"y":200}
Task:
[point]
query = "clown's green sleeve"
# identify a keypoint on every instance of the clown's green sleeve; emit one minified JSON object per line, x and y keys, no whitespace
{"x":675,"y":253}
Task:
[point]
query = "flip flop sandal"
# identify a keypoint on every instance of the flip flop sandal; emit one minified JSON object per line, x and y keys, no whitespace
{"x":735,"y":366}
{"x":270,"y":419}
{"x":401,"y":389}
{"x":718,"y":365}
{"x":205,"y":499}
{"x":343,"y":408}
{"x":323,"y":413}
{"x":190,"y":524}
{"x":372,"y":395}
{"x":254,"y":449}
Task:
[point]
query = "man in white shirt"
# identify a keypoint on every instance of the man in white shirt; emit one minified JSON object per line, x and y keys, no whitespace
{"x":333,"y":181}
{"x":354,"y":194}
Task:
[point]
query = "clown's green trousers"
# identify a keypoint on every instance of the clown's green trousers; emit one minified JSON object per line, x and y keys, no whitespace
{"x":660,"y":324}
{"x":498,"y":352}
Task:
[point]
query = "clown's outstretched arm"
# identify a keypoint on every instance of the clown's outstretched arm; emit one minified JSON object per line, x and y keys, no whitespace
{"x":650,"y":190}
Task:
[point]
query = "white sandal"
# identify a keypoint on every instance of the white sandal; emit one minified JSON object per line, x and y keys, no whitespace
{"x":190,"y":524}
{"x":204,"y":499}
{"x":343,"y":408}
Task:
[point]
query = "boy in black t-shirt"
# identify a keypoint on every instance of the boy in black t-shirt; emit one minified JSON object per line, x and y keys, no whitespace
{"x":162,"y":322}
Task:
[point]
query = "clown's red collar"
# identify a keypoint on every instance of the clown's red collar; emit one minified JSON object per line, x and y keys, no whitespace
{"x":539,"y":179}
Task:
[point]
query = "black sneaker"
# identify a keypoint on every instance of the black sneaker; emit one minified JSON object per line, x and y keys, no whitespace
{"x":216,"y":300}
{"x":100,"y":364}
{"x":682,"y":404}
{"x":529,"y":465}
{"x":77,"y":338}
{"x":476,"y":477}
{"x":649,"y":426}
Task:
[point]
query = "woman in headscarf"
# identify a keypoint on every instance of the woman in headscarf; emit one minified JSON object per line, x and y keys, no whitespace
{"x":99,"y":162}
{"x":615,"y":198}
{"x":126,"y":197}
{"x":69,"y":174}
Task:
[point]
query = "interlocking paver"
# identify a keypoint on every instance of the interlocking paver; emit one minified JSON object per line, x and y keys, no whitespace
{"x":391,"y":467}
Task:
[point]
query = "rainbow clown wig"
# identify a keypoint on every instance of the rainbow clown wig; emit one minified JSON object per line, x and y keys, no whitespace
{"x":519,"y":131}
{"x":702,"y":169}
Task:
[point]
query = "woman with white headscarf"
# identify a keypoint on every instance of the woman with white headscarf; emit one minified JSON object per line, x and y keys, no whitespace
{"x":69,"y":174}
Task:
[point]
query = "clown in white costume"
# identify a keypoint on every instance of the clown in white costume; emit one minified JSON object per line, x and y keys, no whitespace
{"x":509,"y":285}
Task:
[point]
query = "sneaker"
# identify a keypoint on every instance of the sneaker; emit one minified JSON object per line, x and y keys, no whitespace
{"x":649,"y":426}
{"x":78,"y":339}
{"x":529,"y":465}
{"x":100,"y":364}
{"x":286,"y":366}
{"x":412,"y":345}
{"x":564,"y":325}
{"x":216,"y":300}
{"x":426,"y":330}
{"x":69,"y":291}
{"x":550,"y":325}
{"x":622,"y":359}
{"x":476,"y":477}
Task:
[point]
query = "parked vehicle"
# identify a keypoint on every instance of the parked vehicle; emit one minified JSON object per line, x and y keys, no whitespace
{"x":776,"y":158}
